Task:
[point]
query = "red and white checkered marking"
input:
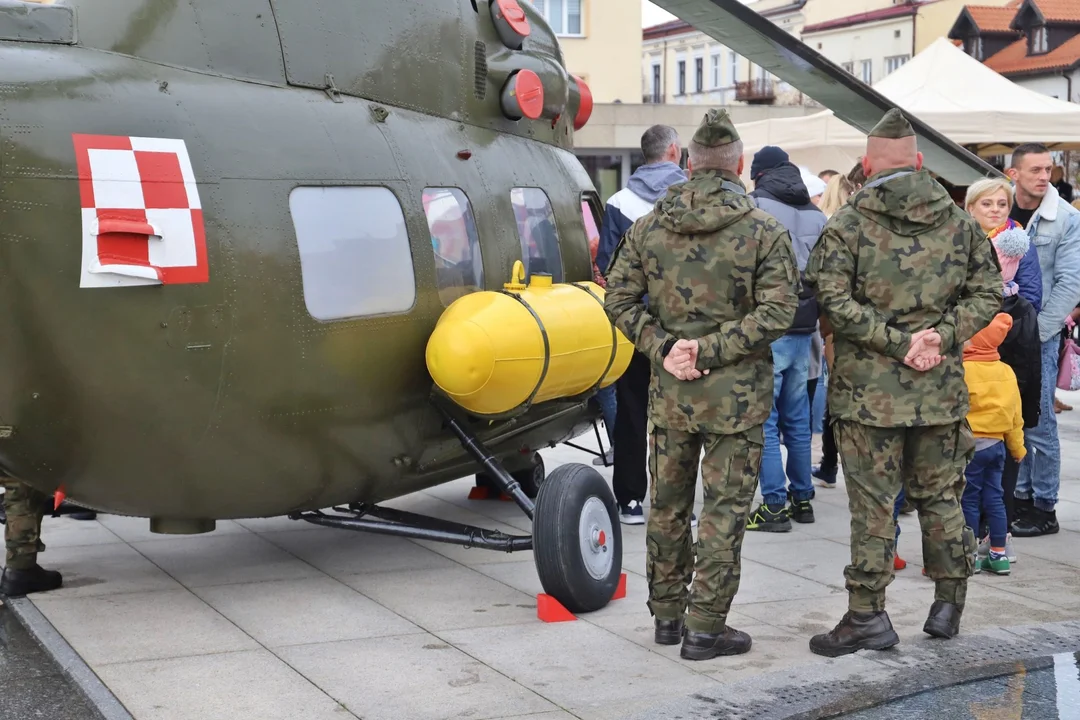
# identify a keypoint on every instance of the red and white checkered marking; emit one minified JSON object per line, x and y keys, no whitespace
{"x":142,"y":218}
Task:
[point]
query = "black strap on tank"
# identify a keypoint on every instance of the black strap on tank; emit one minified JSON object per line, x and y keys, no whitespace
{"x":547,"y":345}
{"x":614,"y":338}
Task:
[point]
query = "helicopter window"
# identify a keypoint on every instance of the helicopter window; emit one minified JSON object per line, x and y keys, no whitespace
{"x":589,"y":204}
{"x":537,"y":233}
{"x":459,"y":267}
{"x":354,"y":251}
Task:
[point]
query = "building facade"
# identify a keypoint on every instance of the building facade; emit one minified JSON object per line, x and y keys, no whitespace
{"x":682,"y":66}
{"x":870,"y":45}
{"x":598,"y":40}
{"x":1034,"y":43}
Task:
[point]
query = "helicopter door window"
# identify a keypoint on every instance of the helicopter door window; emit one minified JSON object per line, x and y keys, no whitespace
{"x":537,"y":233}
{"x":355,"y":257}
{"x":459,"y":267}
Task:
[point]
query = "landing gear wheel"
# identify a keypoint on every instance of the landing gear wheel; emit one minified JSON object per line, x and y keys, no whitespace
{"x":532,"y":477}
{"x":577,"y":538}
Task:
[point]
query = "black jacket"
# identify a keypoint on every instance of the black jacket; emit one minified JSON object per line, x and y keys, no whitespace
{"x":1022,"y":351}
{"x":782,"y":193}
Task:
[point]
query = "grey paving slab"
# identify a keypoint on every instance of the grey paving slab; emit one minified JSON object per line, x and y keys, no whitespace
{"x":312,"y":610}
{"x":411,"y":676}
{"x":230,"y":686}
{"x":110,"y":569}
{"x":448,"y":598}
{"x":342,"y":552}
{"x":280,"y":523}
{"x":580,"y":667}
{"x":65,"y":532}
{"x":142,"y":626}
{"x":132,"y":529}
{"x":228,"y":559}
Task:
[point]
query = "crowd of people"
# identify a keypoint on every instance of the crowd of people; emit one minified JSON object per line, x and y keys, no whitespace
{"x":939,"y":327}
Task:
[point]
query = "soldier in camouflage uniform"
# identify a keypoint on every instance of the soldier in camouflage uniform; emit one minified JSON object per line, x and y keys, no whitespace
{"x":722,"y":284}
{"x":905,"y":278}
{"x":24,"y":508}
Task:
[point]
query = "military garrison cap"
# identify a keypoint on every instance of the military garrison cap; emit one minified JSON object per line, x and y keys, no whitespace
{"x":716,"y":129}
{"x":893,"y":126}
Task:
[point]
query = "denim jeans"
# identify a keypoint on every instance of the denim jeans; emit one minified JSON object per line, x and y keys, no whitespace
{"x":790,"y":416}
{"x":1040,"y":471}
{"x":983,"y":492}
{"x":606,"y":399}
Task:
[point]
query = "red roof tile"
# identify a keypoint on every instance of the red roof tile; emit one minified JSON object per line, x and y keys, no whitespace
{"x":1014,"y":59}
{"x":1059,"y":10}
{"x":992,"y":19}
{"x":866,"y":17}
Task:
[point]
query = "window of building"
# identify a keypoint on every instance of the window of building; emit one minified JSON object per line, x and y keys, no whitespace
{"x":656,"y":83}
{"x":892,"y":64}
{"x":459,"y":267}
{"x":355,"y":258}
{"x":849,"y":67}
{"x":564,"y":16}
{"x":537,"y":233}
{"x":682,"y":77}
{"x":868,"y":71}
{"x":699,"y":74}
{"x":1040,"y":40}
{"x":733,"y":69}
{"x":715,"y":67}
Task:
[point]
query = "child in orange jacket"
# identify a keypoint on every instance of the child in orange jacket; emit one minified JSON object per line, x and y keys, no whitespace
{"x":997,"y":422}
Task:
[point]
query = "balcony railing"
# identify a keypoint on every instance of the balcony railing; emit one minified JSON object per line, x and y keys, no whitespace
{"x":651,"y":99}
{"x":755,"y":92}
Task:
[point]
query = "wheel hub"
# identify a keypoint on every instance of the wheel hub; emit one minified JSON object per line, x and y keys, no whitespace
{"x":595,"y":532}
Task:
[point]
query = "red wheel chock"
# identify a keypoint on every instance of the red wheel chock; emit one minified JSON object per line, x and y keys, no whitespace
{"x":550,"y":610}
{"x":480,"y":492}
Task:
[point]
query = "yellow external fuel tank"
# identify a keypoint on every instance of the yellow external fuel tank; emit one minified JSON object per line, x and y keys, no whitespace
{"x":494,"y":352}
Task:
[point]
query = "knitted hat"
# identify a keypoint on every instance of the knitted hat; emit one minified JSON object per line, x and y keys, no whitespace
{"x":1011,"y":245}
{"x":767,"y":158}
{"x":984,"y":346}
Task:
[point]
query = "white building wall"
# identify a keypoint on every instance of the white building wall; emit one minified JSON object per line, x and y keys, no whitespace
{"x":1052,"y":85}
{"x":873,"y":43}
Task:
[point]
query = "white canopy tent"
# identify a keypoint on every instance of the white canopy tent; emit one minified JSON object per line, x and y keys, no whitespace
{"x":944,"y":87}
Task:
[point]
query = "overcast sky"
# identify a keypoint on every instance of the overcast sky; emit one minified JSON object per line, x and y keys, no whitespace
{"x":652,"y":15}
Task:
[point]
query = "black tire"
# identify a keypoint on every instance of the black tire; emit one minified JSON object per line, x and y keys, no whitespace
{"x":532,"y":477}
{"x":564,"y":498}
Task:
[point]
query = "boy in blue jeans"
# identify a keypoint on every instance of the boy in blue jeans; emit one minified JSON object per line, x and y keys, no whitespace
{"x":997,"y":422}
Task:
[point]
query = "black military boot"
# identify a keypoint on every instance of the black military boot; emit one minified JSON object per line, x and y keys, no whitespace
{"x":943,"y":621}
{"x":16,"y":583}
{"x":668,"y":632}
{"x":706,"y":646}
{"x":856,"y":631}
{"x":1035,"y":522}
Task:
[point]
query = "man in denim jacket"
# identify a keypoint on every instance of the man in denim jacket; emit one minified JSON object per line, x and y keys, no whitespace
{"x":1054,"y":228}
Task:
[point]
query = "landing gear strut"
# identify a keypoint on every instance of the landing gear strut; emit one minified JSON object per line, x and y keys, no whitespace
{"x":576,"y":538}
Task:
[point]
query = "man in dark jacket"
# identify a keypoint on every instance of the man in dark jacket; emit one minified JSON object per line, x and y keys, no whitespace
{"x":662,"y":150}
{"x":780,"y":191}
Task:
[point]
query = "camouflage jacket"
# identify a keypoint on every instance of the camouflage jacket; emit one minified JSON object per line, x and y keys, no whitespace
{"x":716,"y":270}
{"x":900,"y":257}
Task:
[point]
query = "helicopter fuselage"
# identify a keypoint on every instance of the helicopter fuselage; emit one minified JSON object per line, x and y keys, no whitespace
{"x":250,"y":340}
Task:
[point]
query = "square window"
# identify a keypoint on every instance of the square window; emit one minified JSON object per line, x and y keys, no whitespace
{"x":536,"y":231}
{"x":354,"y":251}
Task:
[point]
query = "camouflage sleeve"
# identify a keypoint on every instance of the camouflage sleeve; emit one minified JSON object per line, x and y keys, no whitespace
{"x":980,"y":299}
{"x":830,"y":271}
{"x":776,"y":297}
{"x":626,"y":286}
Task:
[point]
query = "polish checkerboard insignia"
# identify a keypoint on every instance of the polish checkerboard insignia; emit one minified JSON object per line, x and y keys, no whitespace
{"x":142,"y":220}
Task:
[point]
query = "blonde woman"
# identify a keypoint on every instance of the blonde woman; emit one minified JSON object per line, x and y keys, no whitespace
{"x":989,"y":201}
{"x":837,"y":192}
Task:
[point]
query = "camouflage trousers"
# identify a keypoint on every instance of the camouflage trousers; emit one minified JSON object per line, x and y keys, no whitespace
{"x":929,"y":463}
{"x":25,"y":508}
{"x":729,"y":473}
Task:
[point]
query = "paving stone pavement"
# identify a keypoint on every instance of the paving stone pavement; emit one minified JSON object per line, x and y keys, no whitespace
{"x":273,"y":618}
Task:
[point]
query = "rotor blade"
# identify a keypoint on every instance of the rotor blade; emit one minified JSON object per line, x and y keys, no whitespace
{"x":756,"y":38}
